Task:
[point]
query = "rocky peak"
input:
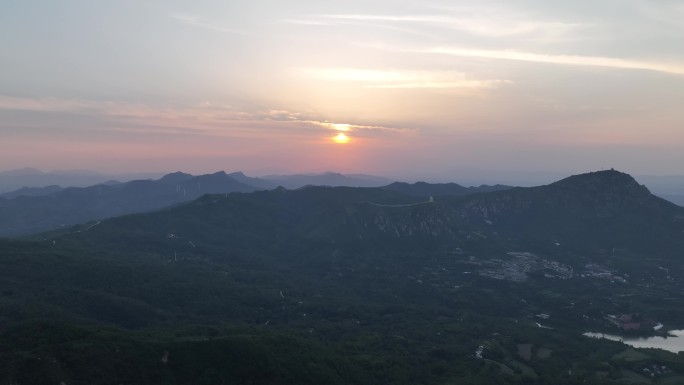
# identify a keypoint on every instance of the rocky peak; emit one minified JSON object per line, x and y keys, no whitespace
{"x":609,"y":185}
{"x":175,"y":177}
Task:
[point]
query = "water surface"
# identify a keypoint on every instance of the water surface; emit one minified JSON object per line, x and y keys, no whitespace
{"x":674,"y":343}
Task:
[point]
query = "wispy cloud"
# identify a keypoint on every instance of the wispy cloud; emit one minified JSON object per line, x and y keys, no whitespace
{"x":198,"y":22}
{"x":311,"y":21}
{"x":205,"y":119}
{"x":443,"y":85}
{"x":572,"y":60}
{"x":371,"y":78}
{"x":478,"y":25}
{"x":349,"y":127}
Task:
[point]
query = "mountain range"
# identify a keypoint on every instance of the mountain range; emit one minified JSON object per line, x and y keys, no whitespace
{"x":398,"y":284}
{"x":34,"y":209}
{"x":595,"y":211}
{"x":11,"y":180}
{"x":53,"y":207}
{"x":327,"y":179}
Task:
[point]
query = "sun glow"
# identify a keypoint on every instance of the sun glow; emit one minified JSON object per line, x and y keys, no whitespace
{"x":341,"y":138}
{"x":341,"y":126}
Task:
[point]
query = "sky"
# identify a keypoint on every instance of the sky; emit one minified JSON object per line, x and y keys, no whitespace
{"x":397,"y":88}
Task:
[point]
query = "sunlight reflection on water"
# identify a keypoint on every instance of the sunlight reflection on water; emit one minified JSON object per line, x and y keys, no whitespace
{"x":674,"y":343}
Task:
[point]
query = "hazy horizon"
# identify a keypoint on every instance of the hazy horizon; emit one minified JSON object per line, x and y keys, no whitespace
{"x":398,"y":89}
{"x":662,"y":184}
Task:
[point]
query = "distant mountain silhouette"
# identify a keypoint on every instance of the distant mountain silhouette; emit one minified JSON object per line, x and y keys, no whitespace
{"x":175,"y":177}
{"x":32,"y":191}
{"x":256,"y":182}
{"x":30,"y":210}
{"x":28,"y":177}
{"x":677,"y":199}
{"x":326,"y":179}
{"x":424,"y":189}
{"x":42,"y":210}
{"x":601,"y":210}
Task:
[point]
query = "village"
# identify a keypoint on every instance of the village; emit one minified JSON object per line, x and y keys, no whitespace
{"x":518,"y":265}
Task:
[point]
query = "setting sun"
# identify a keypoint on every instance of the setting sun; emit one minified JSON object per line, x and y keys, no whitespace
{"x":341,"y":138}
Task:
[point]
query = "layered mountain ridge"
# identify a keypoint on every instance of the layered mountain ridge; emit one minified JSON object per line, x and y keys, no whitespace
{"x":402,"y":288}
{"x":605,"y":209}
{"x":31,"y":210}
{"x":22,"y":213}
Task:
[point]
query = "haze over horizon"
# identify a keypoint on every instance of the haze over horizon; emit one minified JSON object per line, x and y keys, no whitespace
{"x":397,"y":89}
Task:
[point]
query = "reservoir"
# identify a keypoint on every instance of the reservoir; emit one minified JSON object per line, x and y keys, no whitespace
{"x":673,"y":343}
